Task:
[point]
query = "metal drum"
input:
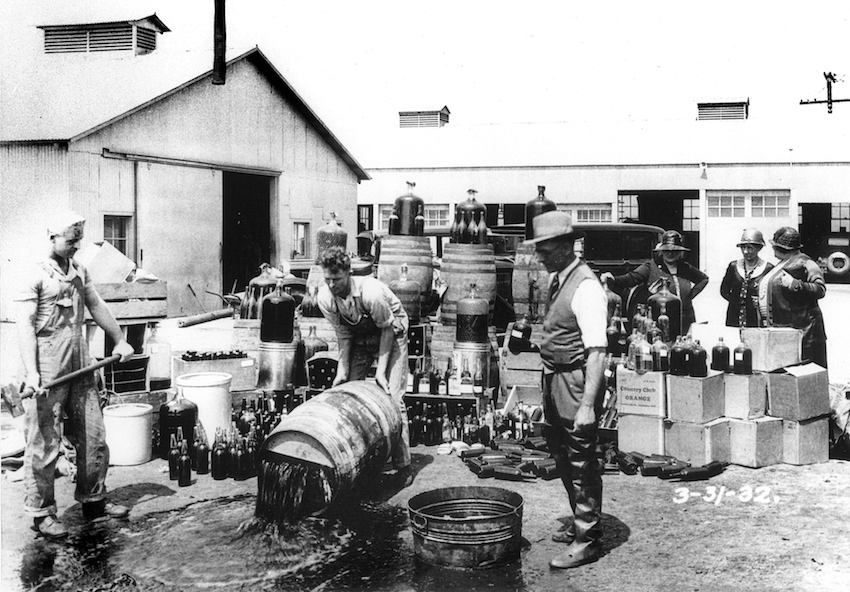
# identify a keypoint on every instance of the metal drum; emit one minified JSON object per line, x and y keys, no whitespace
{"x":469,"y":527}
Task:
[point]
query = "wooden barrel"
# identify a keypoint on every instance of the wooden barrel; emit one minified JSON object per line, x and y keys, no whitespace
{"x":529,"y":278}
{"x":348,"y":431}
{"x":415,"y":251}
{"x":462,"y":266}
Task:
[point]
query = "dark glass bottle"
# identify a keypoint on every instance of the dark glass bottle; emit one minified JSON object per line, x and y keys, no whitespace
{"x":743,"y":359}
{"x":535,"y":207}
{"x":520,"y":335}
{"x":202,"y":454}
{"x":247,"y":419}
{"x":238,"y":459}
{"x":393,"y":223}
{"x":232,"y":445}
{"x":258,"y":287}
{"x":720,"y":356}
{"x":173,"y":458}
{"x":679,"y":358}
{"x":219,"y":458}
{"x":453,"y":233}
{"x":184,"y":466}
{"x":613,"y":333}
{"x":419,"y":222}
{"x":472,"y":313}
{"x":478,"y":382}
{"x":277,"y":317}
{"x":482,"y":230}
{"x":407,"y":207}
{"x":330,"y":235}
{"x":615,"y":302}
{"x":698,"y":366}
{"x":434,"y":378}
{"x":672,"y":309}
{"x":179,"y":412}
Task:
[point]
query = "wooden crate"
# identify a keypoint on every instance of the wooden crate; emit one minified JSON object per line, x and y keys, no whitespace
{"x":134,"y":300}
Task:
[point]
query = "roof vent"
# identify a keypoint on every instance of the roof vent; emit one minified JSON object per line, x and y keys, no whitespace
{"x":424,"y":118}
{"x":716,"y":110}
{"x":138,"y":36}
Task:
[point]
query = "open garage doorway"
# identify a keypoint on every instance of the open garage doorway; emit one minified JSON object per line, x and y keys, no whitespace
{"x":246,"y":238}
{"x":825,"y":233}
{"x":671,"y":210}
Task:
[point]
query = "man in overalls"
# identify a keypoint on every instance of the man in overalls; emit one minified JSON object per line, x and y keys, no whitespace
{"x":370,"y":324}
{"x":573,"y":355}
{"x":51,"y":332}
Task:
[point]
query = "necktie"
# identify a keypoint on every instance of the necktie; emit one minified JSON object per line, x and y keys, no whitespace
{"x":553,"y":287}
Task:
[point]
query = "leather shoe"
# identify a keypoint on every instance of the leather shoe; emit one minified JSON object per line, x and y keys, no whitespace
{"x":562,"y":535}
{"x":576,"y":554}
{"x":104,"y":510}
{"x":50,"y":527}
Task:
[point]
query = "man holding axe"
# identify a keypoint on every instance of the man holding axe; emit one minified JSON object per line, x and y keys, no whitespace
{"x":51,"y":334}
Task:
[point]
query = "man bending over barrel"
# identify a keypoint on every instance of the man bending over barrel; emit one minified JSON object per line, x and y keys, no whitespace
{"x":370,"y":324}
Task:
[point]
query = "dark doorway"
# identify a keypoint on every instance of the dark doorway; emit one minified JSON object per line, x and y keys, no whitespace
{"x":815,"y":224}
{"x":246,"y":236}
{"x":671,"y":210}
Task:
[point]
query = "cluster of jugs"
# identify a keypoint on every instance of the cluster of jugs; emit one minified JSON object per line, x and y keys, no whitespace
{"x":742,"y":358}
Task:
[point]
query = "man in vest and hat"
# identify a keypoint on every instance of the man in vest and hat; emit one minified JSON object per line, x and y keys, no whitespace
{"x":573,"y":354}
{"x":52,"y":341}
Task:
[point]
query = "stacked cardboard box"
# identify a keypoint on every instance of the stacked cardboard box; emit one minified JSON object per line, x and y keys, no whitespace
{"x":696,"y":431}
{"x":641,"y":407}
{"x":799,"y":395}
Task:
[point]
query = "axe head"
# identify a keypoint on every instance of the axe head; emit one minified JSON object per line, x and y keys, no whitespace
{"x":12,"y":399}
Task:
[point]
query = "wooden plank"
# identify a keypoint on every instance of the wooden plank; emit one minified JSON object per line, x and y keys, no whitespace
{"x":136,"y":309}
{"x":131,"y":290}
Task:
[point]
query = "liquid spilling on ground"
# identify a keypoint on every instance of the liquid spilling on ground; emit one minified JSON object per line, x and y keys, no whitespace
{"x":288,"y":492}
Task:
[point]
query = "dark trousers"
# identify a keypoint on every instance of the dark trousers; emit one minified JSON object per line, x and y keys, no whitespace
{"x":575,"y":452}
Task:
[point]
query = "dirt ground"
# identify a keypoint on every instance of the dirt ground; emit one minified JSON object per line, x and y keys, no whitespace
{"x":790,"y":534}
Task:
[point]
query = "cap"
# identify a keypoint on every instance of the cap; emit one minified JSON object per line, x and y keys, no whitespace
{"x":67,"y":223}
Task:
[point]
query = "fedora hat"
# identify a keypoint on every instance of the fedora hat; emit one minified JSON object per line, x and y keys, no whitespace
{"x":751,"y":236}
{"x":787,"y":239}
{"x":671,"y":240}
{"x":553,"y":224}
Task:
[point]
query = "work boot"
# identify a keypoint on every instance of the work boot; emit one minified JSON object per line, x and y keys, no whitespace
{"x":564,"y":535}
{"x":50,"y":527}
{"x":575,"y":555}
{"x":103,"y":510}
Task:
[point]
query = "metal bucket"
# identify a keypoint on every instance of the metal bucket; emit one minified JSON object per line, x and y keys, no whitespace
{"x":276,"y":365}
{"x":473,"y":527}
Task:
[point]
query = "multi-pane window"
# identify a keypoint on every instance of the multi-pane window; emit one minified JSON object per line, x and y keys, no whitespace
{"x":627,"y":205}
{"x":587,"y":212}
{"x":437,"y":215}
{"x":773,"y":205}
{"x":740,"y":204}
{"x":116,"y":230}
{"x":690,"y":215}
{"x":301,"y":240}
{"x":385,"y":212}
{"x":840,"y":217}
{"x":364,"y":218}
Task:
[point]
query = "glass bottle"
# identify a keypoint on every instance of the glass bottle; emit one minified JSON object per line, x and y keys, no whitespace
{"x":533,"y":208}
{"x":644,"y":361}
{"x":394,"y":222}
{"x":673,"y":307}
{"x":179,"y":412}
{"x":461,"y":229}
{"x":613,"y":332}
{"x":219,"y":457}
{"x":202,"y":453}
{"x":159,"y":361}
{"x":743,"y":359}
{"x":478,"y":382}
{"x":520,"y":335}
{"x":660,"y":355}
{"x":663,"y":323}
{"x":679,"y":358}
{"x":720,"y":356}
{"x":446,"y":378}
{"x":248,"y":418}
{"x":472,"y":229}
{"x":277,"y":316}
{"x":173,"y":458}
{"x":184,"y":466}
{"x":419,"y":222}
{"x":465,"y":379}
{"x":453,"y":233}
{"x":415,"y":424}
{"x":482,"y":230}
{"x":633,"y":350}
{"x":698,"y":361}
{"x":615,"y":302}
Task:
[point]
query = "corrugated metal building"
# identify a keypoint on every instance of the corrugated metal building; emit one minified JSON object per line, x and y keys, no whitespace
{"x":709,"y":177}
{"x":198,"y":183}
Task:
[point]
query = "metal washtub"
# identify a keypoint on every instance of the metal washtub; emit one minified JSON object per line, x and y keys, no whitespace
{"x":471,"y":527}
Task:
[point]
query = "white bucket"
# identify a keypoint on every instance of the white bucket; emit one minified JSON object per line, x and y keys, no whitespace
{"x":129,"y":432}
{"x":210,"y":391}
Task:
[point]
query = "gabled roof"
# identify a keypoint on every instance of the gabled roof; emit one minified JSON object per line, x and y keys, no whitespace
{"x":151,"y":21}
{"x":65,"y":98}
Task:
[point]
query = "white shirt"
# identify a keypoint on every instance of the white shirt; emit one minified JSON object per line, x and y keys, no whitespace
{"x":590,"y":305}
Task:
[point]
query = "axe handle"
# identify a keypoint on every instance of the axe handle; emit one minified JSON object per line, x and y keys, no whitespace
{"x":81,"y":371}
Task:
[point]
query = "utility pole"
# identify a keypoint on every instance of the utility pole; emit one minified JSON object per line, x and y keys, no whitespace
{"x":830,"y":78}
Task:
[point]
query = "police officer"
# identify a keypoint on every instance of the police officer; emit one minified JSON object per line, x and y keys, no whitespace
{"x":573,"y":354}
{"x":52,"y":342}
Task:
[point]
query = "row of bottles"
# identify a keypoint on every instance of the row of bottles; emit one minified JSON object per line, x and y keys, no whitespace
{"x":471,"y":381}
{"x":470,"y":225}
{"x":258,"y":287}
{"x":235,"y":456}
{"x":433,"y":423}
